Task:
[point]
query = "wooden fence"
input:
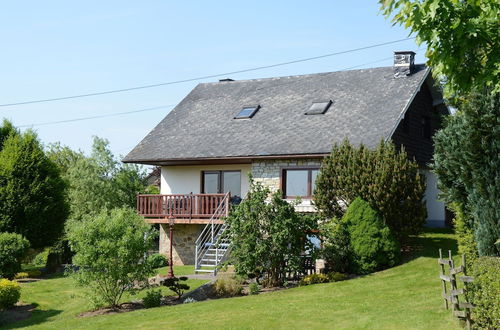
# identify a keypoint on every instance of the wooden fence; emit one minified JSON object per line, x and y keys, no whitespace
{"x":455,"y":296}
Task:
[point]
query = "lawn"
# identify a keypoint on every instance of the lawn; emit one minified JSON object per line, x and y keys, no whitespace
{"x":404,"y":297}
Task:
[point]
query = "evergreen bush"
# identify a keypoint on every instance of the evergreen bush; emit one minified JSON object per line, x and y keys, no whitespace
{"x":372,"y":245}
{"x":384,"y":177}
{"x":467,"y":165}
{"x":32,"y":192}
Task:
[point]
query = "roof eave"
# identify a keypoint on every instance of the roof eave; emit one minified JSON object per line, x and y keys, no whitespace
{"x":222,"y":160}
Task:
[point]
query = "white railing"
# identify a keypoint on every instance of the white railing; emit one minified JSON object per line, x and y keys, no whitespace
{"x":209,"y":239}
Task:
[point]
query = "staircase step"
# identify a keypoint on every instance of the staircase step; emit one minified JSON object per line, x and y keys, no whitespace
{"x":207,"y":265}
{"x":205,"y":270}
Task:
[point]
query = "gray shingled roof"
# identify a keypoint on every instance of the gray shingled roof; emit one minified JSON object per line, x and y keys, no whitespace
{"x":366,"y":106}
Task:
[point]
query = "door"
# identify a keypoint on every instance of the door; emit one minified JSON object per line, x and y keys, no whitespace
{"x":221,"y":182}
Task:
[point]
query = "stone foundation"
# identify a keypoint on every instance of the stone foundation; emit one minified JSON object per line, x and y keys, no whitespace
{"x":183,"y":246}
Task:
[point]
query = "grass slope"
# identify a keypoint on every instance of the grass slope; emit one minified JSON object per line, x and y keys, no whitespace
{"x":404,"y":297}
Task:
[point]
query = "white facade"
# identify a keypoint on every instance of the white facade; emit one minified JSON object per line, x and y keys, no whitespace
{"x":184,"y":179}
{"x":435,"y":208}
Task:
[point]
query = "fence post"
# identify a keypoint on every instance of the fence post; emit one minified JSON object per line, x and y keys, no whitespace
{"x":442,"y":280}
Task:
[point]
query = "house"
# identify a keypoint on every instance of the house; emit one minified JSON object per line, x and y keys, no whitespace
{"x":279,"y":130}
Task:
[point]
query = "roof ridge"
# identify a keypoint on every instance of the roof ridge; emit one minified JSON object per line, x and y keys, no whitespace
{"x":302,"y":75}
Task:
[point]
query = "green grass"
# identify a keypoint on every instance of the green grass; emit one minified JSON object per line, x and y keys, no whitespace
{"x":404,"y":297}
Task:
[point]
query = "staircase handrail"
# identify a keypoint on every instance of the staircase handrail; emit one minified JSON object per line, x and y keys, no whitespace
{"x":211,"y":232}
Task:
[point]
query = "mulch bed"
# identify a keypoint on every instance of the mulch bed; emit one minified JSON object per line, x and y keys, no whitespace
{"x":129,"y":307}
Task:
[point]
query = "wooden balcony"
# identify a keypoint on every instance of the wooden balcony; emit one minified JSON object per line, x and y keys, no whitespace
{"x":190,"y":208}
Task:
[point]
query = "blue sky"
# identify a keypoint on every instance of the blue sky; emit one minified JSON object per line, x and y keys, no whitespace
{"x":60,"y":48}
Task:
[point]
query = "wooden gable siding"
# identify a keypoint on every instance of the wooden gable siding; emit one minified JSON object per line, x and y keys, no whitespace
{"x":416,"y":145}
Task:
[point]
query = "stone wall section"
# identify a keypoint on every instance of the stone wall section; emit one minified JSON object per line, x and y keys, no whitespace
{"x":184,"y":238}
{"x":268,"y":173}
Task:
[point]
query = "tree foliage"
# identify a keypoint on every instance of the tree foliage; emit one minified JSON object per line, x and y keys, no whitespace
{"x":383,"y":177}
{"x":98,"y":181}
{"x":462,"y":38}
{"x":32,"y":193}
{"x":267,"y":236}
{"x":468,"y":166}
{"x":109,"y":253}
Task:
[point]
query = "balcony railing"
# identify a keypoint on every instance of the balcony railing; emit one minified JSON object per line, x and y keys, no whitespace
{"x":189,"y":206}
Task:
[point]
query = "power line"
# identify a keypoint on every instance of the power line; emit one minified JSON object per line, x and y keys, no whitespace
{"x":372,"y":62}
{"x":202,"y":77}
{"x":98,"y":116}
{"x":170,"y":105}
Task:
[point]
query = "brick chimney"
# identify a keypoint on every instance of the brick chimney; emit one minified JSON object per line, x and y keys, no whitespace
{"x":404,"y":62}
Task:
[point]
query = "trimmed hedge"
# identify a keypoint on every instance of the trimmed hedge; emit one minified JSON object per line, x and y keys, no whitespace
{"x":10,"y":292}
{"x":485,"y":293}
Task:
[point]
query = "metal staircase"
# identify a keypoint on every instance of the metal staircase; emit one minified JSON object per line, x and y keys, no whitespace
{"x":211,"y":246}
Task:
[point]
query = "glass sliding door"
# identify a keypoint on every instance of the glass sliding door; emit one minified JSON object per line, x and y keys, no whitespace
{"x":231,"y":182}
{"x":211,"y":182}
{"x":221,"y":182}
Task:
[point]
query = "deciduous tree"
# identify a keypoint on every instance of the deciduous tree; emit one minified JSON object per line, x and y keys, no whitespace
{"x":462,"y":38}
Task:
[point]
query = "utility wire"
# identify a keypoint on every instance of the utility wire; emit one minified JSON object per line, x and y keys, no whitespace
{"x":202,"y":77}
{"x":99,"y":116}
{"x":170,"y":105}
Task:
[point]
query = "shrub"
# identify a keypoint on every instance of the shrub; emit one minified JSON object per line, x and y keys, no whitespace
{"x":336,"y":250}
{"x":383,"y":177}
{"x":485,"y":292}
{"x":314,"y":279}
{"x":34,"y":273}
{"x":267,"y":236}
{"x":109,"y":253}
{"x":12,"y":249}
{"x":254,"y":288}
{"x":336,"y":277}
{"x":372,"y":244}
{"x":40,"y":260}
{"x":174,"y":284}
{"x":157,"y":260}
{"x":228,"y":286}
{"x":21,"y":275}
{"x":152,"y":299}
{"x":10,"y":292}
{"x":465,"y":235}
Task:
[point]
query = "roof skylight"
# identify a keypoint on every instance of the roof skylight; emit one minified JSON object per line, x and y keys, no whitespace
{"x":247,"y":112}
{"x":319,"y":108}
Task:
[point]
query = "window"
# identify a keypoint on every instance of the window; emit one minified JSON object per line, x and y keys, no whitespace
{"x":247,"y":112}
{"x":426,"y":127}
{"x":319,"y":108}
{"x":299,"y":182}
{"x":221,"y":182}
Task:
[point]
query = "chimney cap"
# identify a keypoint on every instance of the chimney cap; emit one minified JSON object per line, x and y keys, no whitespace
{"x":225,"y":79}
{"x":405,"y":52}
